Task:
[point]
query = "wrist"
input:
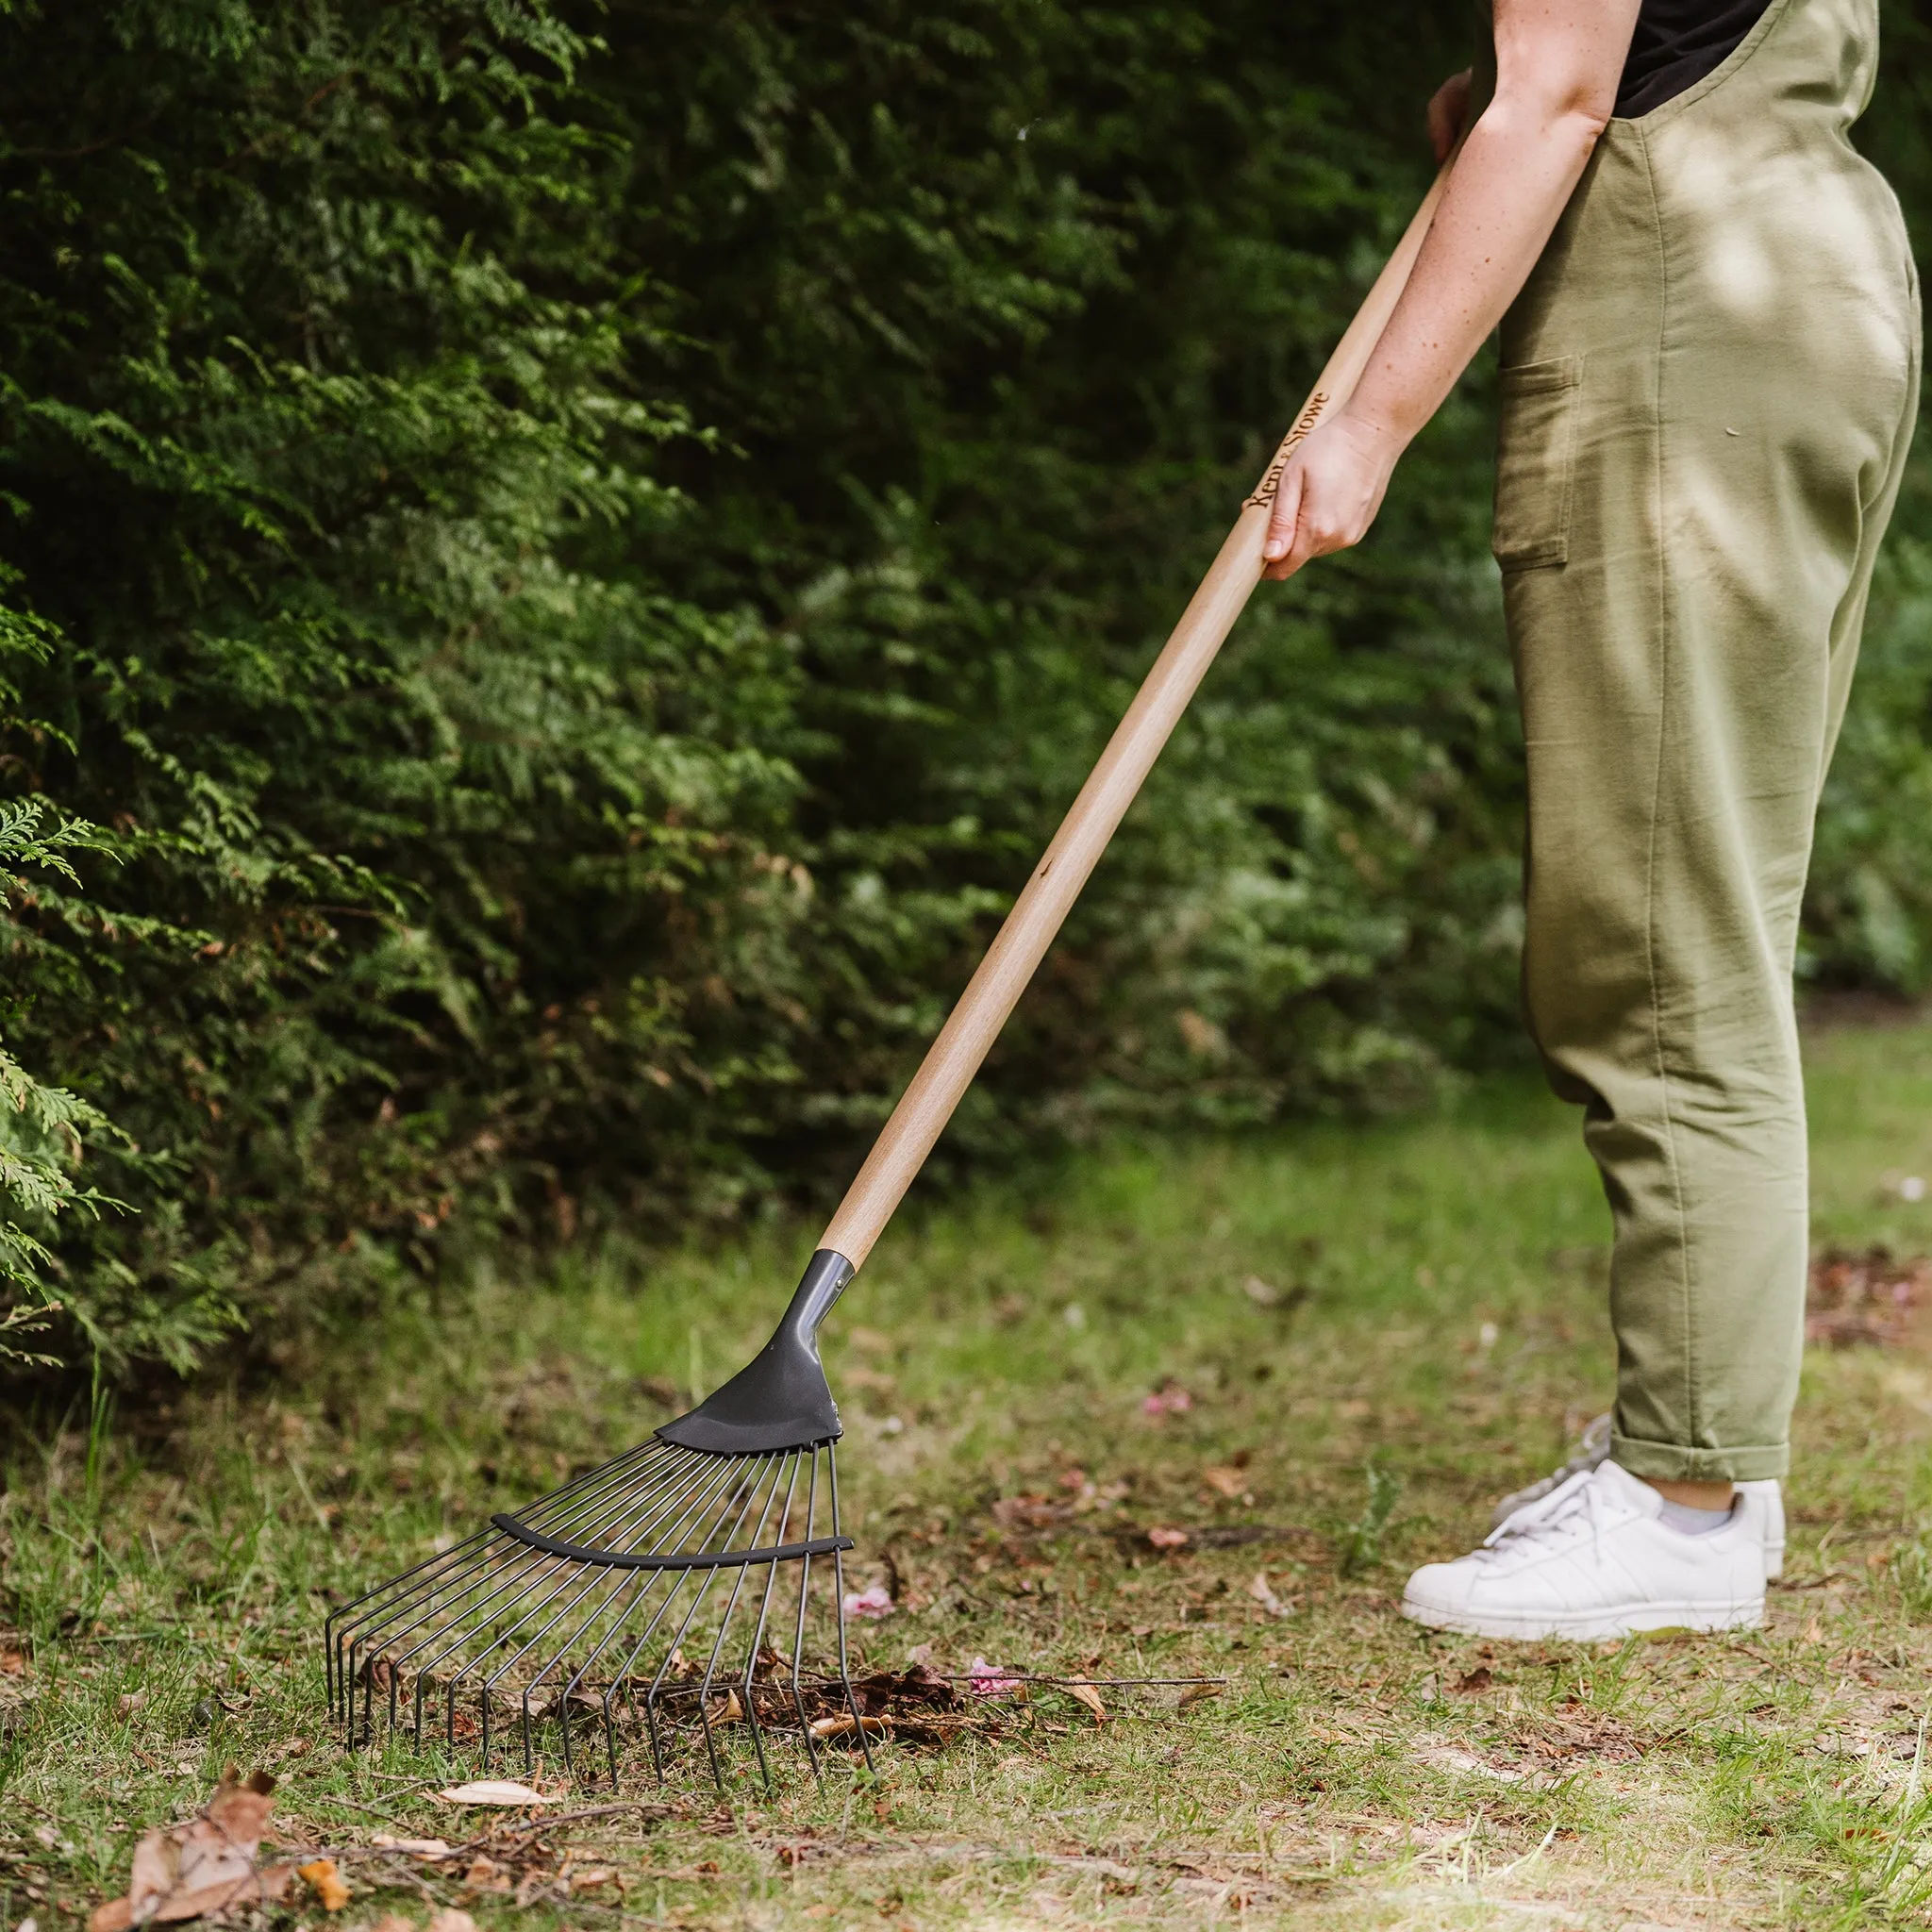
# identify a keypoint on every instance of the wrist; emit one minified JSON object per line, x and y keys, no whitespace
{"x":1374,"y":433}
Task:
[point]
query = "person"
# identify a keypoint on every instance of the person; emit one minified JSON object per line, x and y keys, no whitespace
{"x":1709,"y":374}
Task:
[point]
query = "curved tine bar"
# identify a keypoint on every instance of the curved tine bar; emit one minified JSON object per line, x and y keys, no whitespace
{"x":698,"y":1597}
{"x":708,"y":1481}
{"x":811,"y":1511}
{"x":838,"y":1605}
{"x":758,"y":1538}
{"x":757,"y":1635}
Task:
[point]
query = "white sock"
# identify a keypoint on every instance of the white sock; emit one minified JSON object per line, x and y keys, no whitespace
{"x":1680,"y":1516}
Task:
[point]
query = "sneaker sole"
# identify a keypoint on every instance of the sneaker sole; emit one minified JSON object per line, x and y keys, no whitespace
{"x":1627,"y":1620}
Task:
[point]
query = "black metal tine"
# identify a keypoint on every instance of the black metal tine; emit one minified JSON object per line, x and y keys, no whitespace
{"x":639,"y":1582}
{"x":689,"y":1576}
{"x":812,"y":1517}
{"x":625,"y":1673}
{"x":757,"y":1635}
{"x":637,"y":1649}
{"x":645,"y":1584}
{"x":622,"y":1677}
{"x":758,"y":1538}
{"x":698,"y":1597}
{"x":838,"y":1604}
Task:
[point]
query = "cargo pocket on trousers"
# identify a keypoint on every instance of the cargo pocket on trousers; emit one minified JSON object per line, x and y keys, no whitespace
{"x":1536,"y":460}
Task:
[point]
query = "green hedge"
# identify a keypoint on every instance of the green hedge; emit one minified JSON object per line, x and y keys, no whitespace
{"x":559,"y":564}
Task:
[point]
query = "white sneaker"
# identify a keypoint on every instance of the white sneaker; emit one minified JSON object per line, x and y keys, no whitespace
{"x":1594,"y":1449}
{"x":1591,"y":1559}
{"x":1767,"y":1501}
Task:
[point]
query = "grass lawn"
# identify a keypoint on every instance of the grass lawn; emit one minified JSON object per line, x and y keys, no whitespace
{"x":1436,"y":1319}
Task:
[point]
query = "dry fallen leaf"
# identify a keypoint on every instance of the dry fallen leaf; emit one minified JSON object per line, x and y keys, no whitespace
{"x":491,"y":1790}
{"x":1264,"y":1595}
{"x":326,"y":1883}
{"x":12,"y":1659}
{"x":844,"y":1724}
{"x":451,"y":1920}
{"x":1224,"y":1479}
{"x":1472,"y":1681}
{"x":1264,"y":1294}
{"x":486,"y":1875}
{"x":1197,"y":1693}
{"x":394,"y":1921}
{"x":591,"y":1879}
{"x":1087,"y":1694}
{"x":183,"y":1871}
{"x":1163,"y":1539}
{"x":416,"y":1847}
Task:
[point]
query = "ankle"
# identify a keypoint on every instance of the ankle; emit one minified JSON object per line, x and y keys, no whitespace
{"x":1693,"y":1495}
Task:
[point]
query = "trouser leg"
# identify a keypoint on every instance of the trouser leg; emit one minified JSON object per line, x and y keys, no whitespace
{"x":1680,"y":704}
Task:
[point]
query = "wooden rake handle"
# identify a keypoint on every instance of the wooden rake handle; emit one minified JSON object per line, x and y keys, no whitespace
{"x":975,"y":1023}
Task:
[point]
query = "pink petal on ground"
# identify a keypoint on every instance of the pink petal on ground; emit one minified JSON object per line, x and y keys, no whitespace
{"x":990,"y":1680}
{"x":874,"y":1601}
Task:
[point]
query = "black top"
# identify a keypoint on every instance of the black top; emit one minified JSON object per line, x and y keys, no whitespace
{"x":1676,"y":44}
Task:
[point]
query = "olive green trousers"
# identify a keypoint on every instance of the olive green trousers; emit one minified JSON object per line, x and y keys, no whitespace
{"x":1707,"y":390}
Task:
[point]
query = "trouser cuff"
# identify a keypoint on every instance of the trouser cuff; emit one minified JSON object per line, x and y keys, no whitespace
{"x":1673,"y":1462}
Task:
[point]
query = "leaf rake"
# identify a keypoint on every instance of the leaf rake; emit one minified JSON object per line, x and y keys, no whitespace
{"x":608,"y":1608}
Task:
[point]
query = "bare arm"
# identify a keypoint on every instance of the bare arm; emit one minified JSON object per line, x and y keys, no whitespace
{"x":1557,"y":65}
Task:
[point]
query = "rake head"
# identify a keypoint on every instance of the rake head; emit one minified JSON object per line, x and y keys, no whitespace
{"x":690,"y":1589}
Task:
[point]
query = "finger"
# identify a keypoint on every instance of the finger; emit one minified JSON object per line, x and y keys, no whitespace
{"x":1282,"y":522}
{"x":1311,"y":534}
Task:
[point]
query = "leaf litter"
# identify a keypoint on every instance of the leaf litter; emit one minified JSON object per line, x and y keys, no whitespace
{"x":205,"y":1864}
{"x":1869,"y":1298}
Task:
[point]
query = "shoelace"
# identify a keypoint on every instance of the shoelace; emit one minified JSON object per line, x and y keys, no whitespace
{"x":1576,"y":1496}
